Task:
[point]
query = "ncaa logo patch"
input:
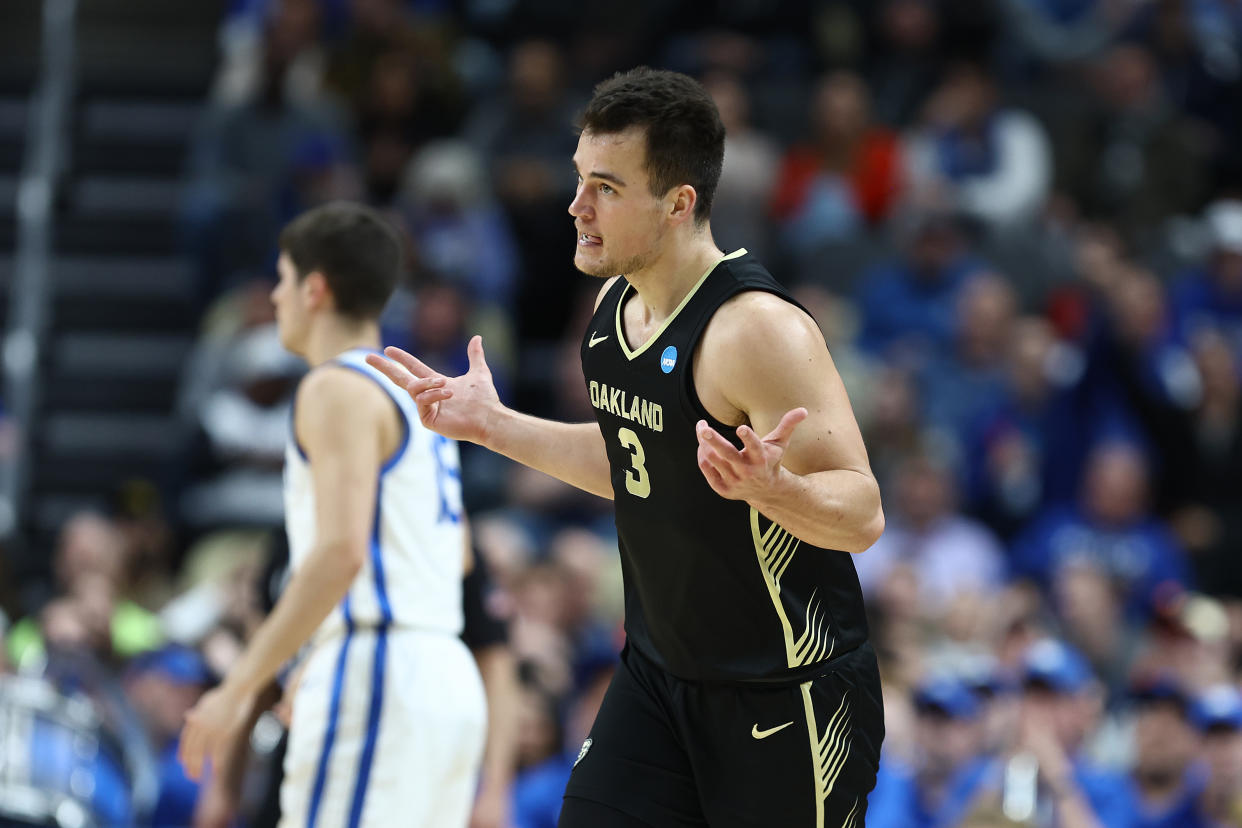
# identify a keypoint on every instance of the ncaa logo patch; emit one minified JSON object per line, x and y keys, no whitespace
{"x":668,"y":359}
{"x":585,"y":747}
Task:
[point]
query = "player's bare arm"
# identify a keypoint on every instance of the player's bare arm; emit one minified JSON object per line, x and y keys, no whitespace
{"x":467,"y":408}
{"x":346,"y":426}
{"x":763,"y":364}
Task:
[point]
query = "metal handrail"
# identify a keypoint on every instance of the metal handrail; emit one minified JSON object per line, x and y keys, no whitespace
{"x":45,"y":159}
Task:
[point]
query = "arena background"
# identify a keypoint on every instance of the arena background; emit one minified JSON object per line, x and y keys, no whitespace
{"x":1019,"y":224}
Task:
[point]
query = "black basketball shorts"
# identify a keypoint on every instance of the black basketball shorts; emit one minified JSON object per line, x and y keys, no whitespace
{"x":678,"y":753}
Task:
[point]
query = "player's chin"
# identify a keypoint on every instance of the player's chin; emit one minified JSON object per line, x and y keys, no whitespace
{"x":598,"y":269}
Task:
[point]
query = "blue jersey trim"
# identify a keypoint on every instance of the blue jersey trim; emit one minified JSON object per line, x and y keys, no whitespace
{"x":334,"y":712}
{"x":293,"y":429}
{"x":405,"y":421}
{"x":377,"y":667}
{"x":373,"y":720}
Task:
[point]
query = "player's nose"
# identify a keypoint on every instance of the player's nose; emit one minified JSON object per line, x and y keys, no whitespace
{"x":579,"y":207}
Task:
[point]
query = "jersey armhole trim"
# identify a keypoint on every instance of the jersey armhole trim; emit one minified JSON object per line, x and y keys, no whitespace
{"x":405,"y":420}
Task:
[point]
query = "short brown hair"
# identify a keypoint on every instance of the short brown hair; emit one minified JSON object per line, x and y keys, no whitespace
{"x":354,"y":248}
{"x":685,"y":138}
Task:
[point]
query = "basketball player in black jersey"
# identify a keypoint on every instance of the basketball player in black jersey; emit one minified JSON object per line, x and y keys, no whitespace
{"x":748,"y":693}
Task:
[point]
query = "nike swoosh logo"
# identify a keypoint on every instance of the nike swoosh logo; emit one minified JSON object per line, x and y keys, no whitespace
{"x":763,"y":734}
{"x":595,"y":341}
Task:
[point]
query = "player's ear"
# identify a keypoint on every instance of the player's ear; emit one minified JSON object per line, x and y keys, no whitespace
{"x":315,"y":287}
{"x":682,"y":204}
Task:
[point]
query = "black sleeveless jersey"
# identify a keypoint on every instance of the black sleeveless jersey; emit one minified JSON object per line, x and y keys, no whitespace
{"x":714,"y":590}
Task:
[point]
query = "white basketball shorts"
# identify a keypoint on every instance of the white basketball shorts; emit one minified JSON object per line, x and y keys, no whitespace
{"x":388,"y":729}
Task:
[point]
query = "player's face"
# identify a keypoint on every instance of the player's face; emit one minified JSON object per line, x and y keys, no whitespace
{"x":620,"y":224}
{"x":290,"y":305}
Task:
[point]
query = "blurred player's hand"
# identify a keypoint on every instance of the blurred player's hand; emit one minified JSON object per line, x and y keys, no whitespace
{"x":217,"y":805}
{"x":491,"y":808}
{"x":457,"y":407}
{"x":211,"y":726}
{"x":751,"y":473}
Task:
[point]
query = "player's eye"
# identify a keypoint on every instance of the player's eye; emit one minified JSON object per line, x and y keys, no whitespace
{"x":606,"y":190}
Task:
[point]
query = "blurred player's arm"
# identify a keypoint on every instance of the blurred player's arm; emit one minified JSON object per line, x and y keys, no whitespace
{"x":221,"y":795}
{"x":339,"y":422}
{"x":803,"y":462}
{"x":487,"y":636}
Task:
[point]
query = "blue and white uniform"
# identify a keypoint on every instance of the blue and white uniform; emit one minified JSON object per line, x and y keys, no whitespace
{"x":389,"y":717}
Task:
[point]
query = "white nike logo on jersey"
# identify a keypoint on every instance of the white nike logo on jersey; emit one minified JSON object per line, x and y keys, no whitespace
{"x":595,"y":341}
{"x":763,"y":734}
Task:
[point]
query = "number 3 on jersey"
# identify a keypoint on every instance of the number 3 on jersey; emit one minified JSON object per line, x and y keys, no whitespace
{"x":636,"y":481}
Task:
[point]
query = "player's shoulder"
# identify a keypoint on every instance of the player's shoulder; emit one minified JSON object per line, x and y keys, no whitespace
{"x":761,"y":319}
{"x":336,"y":390}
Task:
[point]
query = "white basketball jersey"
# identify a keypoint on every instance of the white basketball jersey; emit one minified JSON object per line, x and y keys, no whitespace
{"x":412,"y":575}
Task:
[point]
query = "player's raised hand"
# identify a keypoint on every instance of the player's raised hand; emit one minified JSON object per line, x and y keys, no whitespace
{"x":457,"y":407}
{"x":750,"y":473}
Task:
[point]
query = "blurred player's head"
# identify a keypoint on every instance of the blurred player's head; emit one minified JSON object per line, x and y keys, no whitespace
{"x":649,"y":156}
{"x":338,"y":265}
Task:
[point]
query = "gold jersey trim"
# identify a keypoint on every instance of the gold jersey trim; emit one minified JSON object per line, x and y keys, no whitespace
{"x":625,"y":348}
{"x":775,"y":548}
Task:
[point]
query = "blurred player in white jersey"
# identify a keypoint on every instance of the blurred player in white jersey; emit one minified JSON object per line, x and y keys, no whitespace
{"x":389,"y":714}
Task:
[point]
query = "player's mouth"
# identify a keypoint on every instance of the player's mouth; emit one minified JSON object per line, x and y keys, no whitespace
{"x":587,"y":240}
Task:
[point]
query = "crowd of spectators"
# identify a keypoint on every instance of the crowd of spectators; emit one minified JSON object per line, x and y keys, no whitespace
{"x":1019,"y":225}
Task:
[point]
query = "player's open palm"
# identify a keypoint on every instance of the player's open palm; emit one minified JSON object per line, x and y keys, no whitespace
{"x":457,"y":407}
{"x":751,"y":472}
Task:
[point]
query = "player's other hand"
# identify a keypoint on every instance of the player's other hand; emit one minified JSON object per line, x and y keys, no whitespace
{"x":210,"y":728}
{"x":457,"y":407}
{"x":751,"y":473}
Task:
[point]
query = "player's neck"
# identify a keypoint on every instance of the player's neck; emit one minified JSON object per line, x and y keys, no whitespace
{"x":668,"y":279}
{"x":331,"y":338}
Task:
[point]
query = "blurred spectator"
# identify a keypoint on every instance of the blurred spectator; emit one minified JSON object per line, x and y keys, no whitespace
{"x":244,"y":427}
{"x":969,"y":377}
{"x":1167,"y":778}
{"x":1131,"y":157}
{"x":904,"y":62}
{"x":953,"y":560}
{"x":909,"y":306}
{"x":1062,"y":31}
{"x":525,"y":132}
{"x":993,"y":163}
{"x":1110,"y":531}
{"x":459,"y":232}
{"x":1189,"y":637}
{"x":88,"y":611}
{"x":893,"y":429}
{"x":1142,"y":380}
{"x":1209,"y":523}
{"x":163,"y":685}
{"x":939,"y":785}
{"x":1025,"y":450}
{"x":739,"y":208}
{"x":378,"y":28}
{"x":1210,"y":298}
{"x":539,"y":788}
{"x":398,"y":113}
{"x":246,"y":163}
{"x":1217,"y":713}
{"x":250,"y":43}
{"x":1059,"y":709}
{"x":845,"y":178}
